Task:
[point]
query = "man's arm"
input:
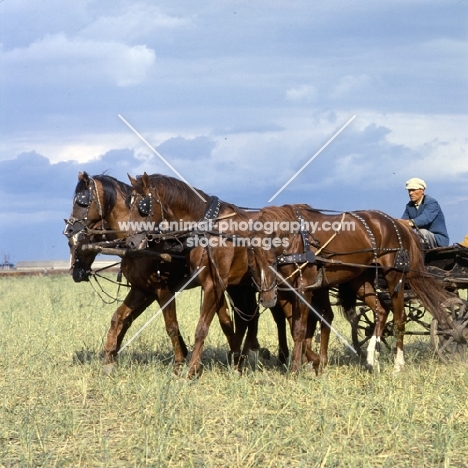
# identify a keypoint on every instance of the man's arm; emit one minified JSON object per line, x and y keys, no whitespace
{"x":431,"y":210}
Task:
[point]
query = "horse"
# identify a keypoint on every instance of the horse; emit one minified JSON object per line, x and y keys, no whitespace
{"x":100,"y":204}
{"x":314,"y":251}
{"x":211,"y":246}
{"x":101,"y":200}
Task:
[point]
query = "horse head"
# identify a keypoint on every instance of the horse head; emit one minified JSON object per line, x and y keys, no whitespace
{"x":146,"y":211}
{"x":87,"y":208}
{"x":82,"y":258}
{"x":262,"y":267}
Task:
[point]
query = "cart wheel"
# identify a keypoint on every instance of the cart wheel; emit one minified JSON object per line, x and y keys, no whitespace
{"x":362,"y":328}
{"x":451,"y":342}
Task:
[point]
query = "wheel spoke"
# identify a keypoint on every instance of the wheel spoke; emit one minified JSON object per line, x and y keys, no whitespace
{"x":446,"y":344}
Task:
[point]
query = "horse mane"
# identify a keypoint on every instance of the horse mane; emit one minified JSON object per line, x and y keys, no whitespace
{"x":110,"y":186}
{"x":176,"y":192}
{"x":277,"y":214}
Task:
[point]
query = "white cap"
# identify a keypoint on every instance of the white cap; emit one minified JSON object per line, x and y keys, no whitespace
{"x":415,"y":183}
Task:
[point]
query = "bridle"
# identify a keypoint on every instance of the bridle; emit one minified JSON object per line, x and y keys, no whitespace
{"x":262,"y":286}
{"x":84,"y":198}
{"x":145,"y":205}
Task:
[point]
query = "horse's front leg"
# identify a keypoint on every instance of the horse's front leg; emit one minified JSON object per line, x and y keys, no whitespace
{"x":282,"y":312}
{"x":245,"y":318}
{"x":133,"y":305}
{"x":299,"y":328}
{"x":179,"y":347}
{"x":213,"y":302}
{"x":323,"y":308}
{"x":399,"y":319}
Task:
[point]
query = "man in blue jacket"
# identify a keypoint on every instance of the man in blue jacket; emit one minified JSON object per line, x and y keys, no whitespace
{"x":423,"y":213}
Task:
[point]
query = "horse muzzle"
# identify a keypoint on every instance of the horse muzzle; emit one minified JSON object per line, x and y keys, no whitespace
{"x":72,"y":228}
{"x":79,"y":274}
{"x":268,"y":298}
{"x":137,"y":241}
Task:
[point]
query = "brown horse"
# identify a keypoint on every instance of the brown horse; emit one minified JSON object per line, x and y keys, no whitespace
{"x":101,"y":199}
{"x":330,"y":250}
{"x":209,"y":242}
{"x":101,"y":202}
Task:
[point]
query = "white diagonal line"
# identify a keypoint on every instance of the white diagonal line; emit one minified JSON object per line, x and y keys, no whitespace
{"x":161,"y":309}
{"x":313,"y":310}
{"x":168,"y":164}
{"x":312,"y":158}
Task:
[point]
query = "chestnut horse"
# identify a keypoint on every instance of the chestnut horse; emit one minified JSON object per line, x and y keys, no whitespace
{"x":101,"y":202}
{"x":162,"y":200}
{"x":330,"y":250}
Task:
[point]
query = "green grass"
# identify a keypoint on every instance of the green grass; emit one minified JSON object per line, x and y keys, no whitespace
{"x":57,"y":407}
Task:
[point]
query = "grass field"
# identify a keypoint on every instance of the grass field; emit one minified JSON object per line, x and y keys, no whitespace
{"x":57,"y":407}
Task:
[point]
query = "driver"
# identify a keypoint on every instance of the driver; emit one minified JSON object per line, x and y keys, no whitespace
{"x":423,"y":213}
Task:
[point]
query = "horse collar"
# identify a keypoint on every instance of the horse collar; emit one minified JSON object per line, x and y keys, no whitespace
{"x":212,"y":211}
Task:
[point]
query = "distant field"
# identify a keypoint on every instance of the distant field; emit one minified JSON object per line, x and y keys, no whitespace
{"x":57,"y":408}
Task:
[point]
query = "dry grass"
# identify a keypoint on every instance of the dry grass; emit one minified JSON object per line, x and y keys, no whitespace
{"x":57,"y":408}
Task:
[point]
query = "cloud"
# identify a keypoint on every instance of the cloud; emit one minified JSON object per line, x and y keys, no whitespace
{"x":237,"y":96}
{"x":57,"y":58}
{"x":351,"y":84}
{"x":133,"y":22}
{"x":180,"y":148}
{"x":304,"y":93}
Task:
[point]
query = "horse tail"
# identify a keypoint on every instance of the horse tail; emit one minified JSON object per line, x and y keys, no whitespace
{"x":347,"y":300}
{"x":428,"y":290}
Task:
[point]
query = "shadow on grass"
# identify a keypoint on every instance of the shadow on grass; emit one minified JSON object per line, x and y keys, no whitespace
{"x":213,"y":358}
{"x":416,"y":352}
{"x":218,"y":358}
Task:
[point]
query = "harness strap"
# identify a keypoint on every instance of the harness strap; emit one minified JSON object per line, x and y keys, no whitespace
{"x":213,"y":209}
{"x":332,"y":237}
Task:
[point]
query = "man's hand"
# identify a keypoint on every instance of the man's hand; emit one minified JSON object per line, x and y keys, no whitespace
{"x":406,"y":222}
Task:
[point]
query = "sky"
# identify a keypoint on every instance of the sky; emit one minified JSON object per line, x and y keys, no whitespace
{"x":237,"y":96}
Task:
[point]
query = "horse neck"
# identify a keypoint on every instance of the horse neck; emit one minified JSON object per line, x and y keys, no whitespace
{"x":180,"y":210}
{"x":118,"y":213}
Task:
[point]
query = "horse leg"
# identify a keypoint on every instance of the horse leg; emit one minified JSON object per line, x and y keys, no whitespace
{"x":399,"y":316}
{"x":213,"y":302}
{"x":365,"y":290}
{"x":133,"y":305}
{"x":309,"y":355}
{"x":245,"y":318}
{"x":179,"y":347}
{"x":300,"y":318}
{"x":322,"y":305}
{"x":279,"y":316}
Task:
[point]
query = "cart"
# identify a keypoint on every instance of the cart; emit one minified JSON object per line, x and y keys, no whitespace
{"x":449,"y":265}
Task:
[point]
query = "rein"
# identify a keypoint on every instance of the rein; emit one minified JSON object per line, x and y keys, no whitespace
{"x":95,"y":275}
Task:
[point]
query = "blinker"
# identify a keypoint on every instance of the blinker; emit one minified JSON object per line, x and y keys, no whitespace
{"x":83,"y":198}
{"x":144,"y":206}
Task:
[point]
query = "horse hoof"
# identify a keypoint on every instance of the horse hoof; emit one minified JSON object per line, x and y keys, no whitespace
{"x":194,"y":374}
{"x":265,"y":354}
{"x":177,"y":369}
{"x":108,"y":368}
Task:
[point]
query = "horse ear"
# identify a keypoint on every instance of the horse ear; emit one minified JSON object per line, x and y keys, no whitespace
{"x":132,"y":180}
{"x":146,"y":181}
{"x":83,"y":176}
